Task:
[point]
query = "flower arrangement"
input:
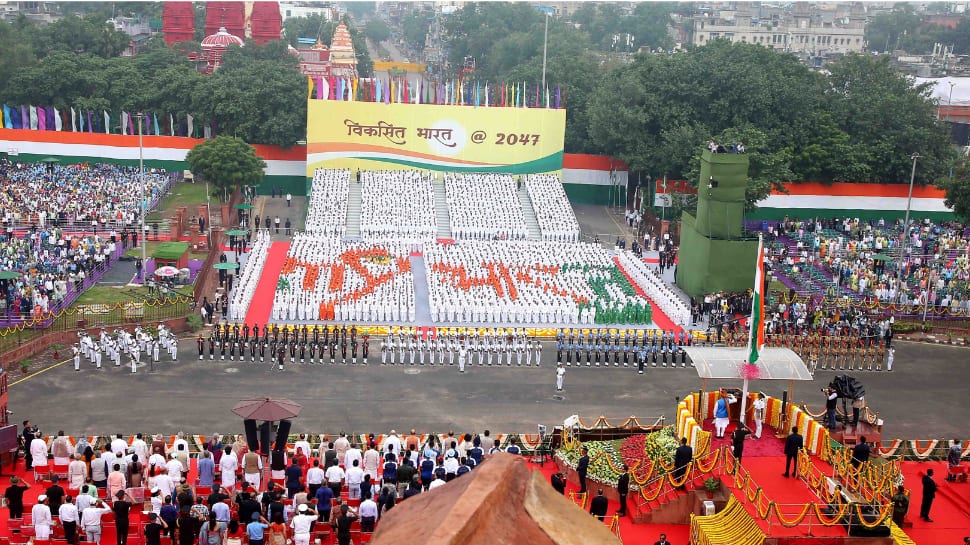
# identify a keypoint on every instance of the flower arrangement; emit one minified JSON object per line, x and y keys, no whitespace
{"x":641,"y":452}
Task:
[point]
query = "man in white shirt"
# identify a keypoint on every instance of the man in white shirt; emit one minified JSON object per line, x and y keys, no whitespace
{"x":451,"y":467}
{"x":91,"y":521}
{"x":38,"y":452}
{"x":353,"y":453}
{"x":119,"y":445}
{"x":69,"y":519}
{"x":341,"y":445}
{"x":228,"y":465}
{"x":392,"y":443}
{"x":139,"y":447}
{"x":314,"y":478}
{"x":302,"y":523}
{"x":436,"y":483}
{"x":175,"y":468}
{"x":302,"y":445}
{"x":368,"y":514}
{"x":335,"y":476}
{"x":355,"y":476}
{"x":40,"y":514}
{"x":164,"y":482}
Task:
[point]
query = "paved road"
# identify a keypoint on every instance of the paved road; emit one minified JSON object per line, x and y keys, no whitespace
{"x":924,"y":397}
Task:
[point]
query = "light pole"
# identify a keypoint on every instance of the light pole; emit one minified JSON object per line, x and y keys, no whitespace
{"x":909,"y":202}
{"x":545,"y":43}
{"x":949,"y":98}
{"x":144,"y":202}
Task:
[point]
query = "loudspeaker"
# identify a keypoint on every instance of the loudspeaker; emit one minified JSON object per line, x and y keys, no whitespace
{"x":264,"y":438}
{"x":282,"y":433}
{"x":251,"y":438}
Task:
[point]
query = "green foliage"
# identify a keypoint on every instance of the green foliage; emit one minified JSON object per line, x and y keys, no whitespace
{"x":958,"y":191}
{"x":193,"y":322}
{"x":314,"y":26}
{"x":377,"y":30}
{"x":657,"y":112}
{"x":414,"y":28}
{"x":226,"y":162}
{"x":358,"y":10}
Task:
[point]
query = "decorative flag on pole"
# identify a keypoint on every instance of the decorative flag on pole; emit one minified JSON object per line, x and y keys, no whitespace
{"x":7,"y":120}
{"x":33,"y":118}
{"x":190,"y":124}
{"x":107,"y":122}
{"x":756,"y":335}
{"x":309,"y":85}
{"x":73,"y":120}
{"x":155,"y":119}
{"x":41,"y":119}
{"x":171,"y":125}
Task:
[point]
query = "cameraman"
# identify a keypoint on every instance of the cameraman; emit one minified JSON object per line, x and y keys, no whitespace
{"x":831,"y":397}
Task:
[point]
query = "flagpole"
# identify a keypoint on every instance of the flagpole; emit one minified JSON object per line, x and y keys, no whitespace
{"x":545,"y":43}
{"x":752,"y":326}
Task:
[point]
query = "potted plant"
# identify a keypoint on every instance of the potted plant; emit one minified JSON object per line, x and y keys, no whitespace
{"x":711,"y":485}
{"x":24,"y":366}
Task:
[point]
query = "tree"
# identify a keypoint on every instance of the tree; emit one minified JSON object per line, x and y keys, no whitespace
{"x":313,"y":26}
{"x":377,"y":30}
{"x":414,"y":28}
{"x":226,"y":162}
{"x":359,"y":10}
{"x":957,"y":190}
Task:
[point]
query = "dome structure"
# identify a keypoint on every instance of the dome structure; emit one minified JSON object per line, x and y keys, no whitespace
{"x":221,"y":40}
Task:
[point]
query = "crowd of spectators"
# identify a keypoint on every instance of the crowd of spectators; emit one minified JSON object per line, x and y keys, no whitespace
{"x":63,"y":224}
{"x":340,"y":488}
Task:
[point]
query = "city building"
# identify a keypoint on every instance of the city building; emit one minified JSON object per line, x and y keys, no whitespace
{"x":343,"y":58}
{"x":811,"y":30}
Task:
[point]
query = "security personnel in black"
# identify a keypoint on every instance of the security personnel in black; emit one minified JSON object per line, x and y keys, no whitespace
{"x":245,"y":332}
{"x":222,"y":349}
{"x":322,"y":349}
{"x":286,"y":334}
{"x":353,"y":344}
{"x":326,"y":335}
{"x":256,"y":331}
{"x":343,"y":345}
{"x":303,"y":350}
{"x":280,"y":356}
{"x":353,"y":333}
{"x":262,"y":349}
{"x":343,"y":333}
{"x":212,"y":346}
{"x":313,"y":350}
{"x":293,"y":344}
{"x":276,"y":332}
{"x":304,"y":333}
{"x":364,"y":347}
{"x":232,"y":350}
{"x":333,"y":347}
{"x":252,"y":348}
{"x":225,"y":333}
{"x":201,"y":343}
{"x":316,"y":334}
{"x":235,"y":333}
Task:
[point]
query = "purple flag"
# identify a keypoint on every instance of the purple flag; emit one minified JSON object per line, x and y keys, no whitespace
{"x":90,"y":125}
{"x":25,"y":116}
{"x":41,"y":119}
{"x":319,"y":85}
{"x":558,"y":96}
{"x":131,"y":124}
{"x":387,"y":93}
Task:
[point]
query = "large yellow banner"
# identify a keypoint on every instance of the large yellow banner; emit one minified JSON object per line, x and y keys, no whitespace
{"x":374,"y":136}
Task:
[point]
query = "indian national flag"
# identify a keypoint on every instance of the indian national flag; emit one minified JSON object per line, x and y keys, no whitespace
{"x":756,"y":336}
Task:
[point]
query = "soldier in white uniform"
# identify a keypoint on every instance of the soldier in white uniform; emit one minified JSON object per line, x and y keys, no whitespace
{"x":77,"y":356}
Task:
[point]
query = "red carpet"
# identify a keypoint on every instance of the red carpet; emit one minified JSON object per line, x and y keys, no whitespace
{"x":262,"y":304}
{"x":629,"y":532}
{"x":951,"y":519}
{"x":768,"y":445}
{"x":658,"y":316}
{"x":790,"y":494}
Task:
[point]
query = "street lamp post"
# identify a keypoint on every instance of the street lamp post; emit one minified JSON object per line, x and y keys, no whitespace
{"x":949,"y":99}
{"x":545,"y":43}
{"x":909,"y":202}
{"x":144,"y":201}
